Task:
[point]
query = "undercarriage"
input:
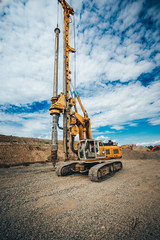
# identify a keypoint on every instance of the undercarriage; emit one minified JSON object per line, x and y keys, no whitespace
{"x":97,"y":171}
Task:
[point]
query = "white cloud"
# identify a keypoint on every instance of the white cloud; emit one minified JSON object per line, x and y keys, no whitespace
{"x":117,"y":127}
{"x":27,"y":53}
{"x":26,"y":124}
{"x":102,"y":138}
{"x":122,"y":104}
{"x":28,"y":46}
{"x":153,"y":143}
{"x":133,"y":124}
{"x":106,"y":56}
{"x":128,"y":15}
{"x":103,"y":55}
{"x":155,"y":121}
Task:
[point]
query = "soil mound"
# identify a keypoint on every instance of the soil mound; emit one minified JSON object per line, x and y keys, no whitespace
{"x":16,"y":151}
{"x":139,"y":154}
{"x":141,"y":148}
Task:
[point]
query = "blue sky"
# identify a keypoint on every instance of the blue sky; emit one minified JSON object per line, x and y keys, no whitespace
{"x":118,"y":67}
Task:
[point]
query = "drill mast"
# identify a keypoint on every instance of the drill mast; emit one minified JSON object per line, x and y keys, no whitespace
{"x":73,"y":122}
{"x":66,"y":75}
{"x":62,"y":104}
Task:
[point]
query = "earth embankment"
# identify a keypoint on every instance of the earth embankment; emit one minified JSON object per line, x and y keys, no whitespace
{"x":16,"y":151}
{"x":140,"y":154}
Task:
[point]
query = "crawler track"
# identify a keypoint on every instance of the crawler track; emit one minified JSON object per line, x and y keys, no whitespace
{"x":101,"y":171}
{"x":64,"y":168}
{"x":96,"y":173}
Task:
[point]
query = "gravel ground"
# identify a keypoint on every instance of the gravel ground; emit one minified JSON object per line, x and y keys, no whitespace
{"x":36,"y":204}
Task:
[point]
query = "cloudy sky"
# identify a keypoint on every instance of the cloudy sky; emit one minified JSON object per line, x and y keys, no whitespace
{"x":117,"y":62}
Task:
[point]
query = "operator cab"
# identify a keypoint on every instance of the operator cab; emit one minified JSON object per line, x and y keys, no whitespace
{"x":91,"y":149}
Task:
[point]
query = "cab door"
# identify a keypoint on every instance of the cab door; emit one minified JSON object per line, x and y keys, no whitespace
{"x":100,"y":150}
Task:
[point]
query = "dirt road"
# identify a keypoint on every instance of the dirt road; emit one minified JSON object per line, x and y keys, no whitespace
{"x":36,"y":204}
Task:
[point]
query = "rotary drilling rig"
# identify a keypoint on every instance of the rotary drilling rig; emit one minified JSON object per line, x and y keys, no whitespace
{"x":93,"y":156}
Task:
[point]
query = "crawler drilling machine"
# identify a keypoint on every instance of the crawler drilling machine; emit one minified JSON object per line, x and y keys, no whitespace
{"x":93,"y":156}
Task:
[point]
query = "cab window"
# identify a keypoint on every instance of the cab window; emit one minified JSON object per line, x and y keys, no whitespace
{"x":98,"y":153}
{"x":115,"y":151}
{"x":107,"y":151}
{"x":81,"y":150}
{"x":90,"y":149}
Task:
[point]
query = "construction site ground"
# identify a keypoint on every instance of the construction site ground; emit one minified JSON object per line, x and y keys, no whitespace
{"x":37,"y":204}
